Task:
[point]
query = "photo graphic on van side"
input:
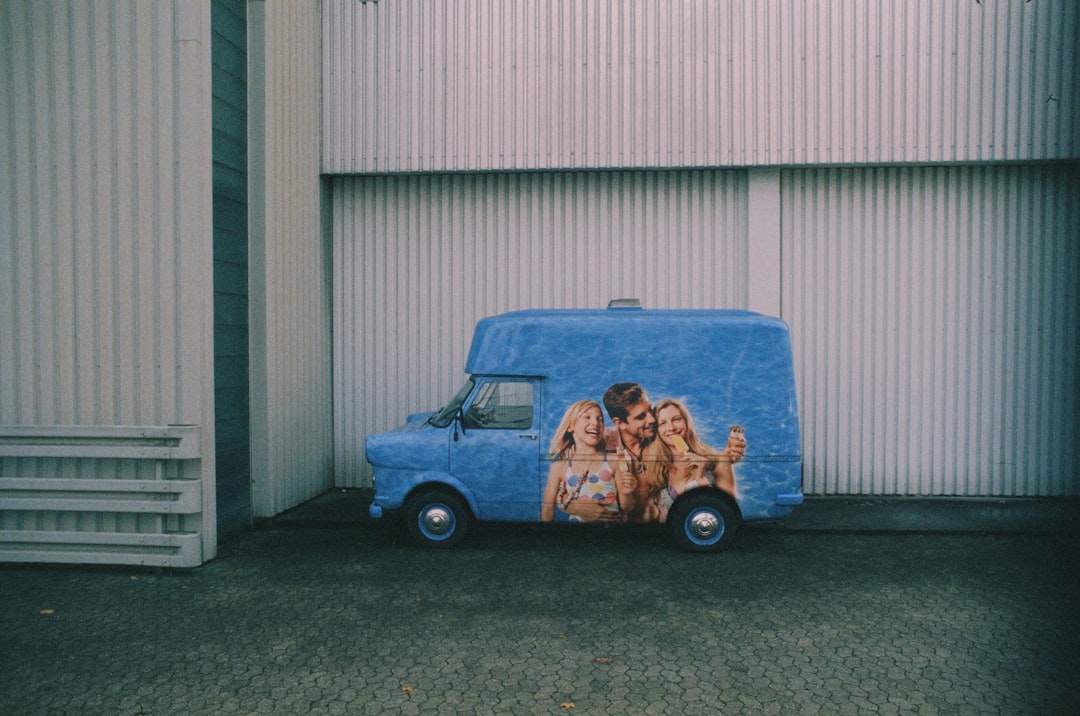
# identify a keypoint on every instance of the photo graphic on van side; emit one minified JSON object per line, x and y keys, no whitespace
{"x":683,"y":418}
{"x":636,"y":468}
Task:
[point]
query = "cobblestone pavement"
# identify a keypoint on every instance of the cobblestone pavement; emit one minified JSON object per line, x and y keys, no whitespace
{"x":356,"y":620}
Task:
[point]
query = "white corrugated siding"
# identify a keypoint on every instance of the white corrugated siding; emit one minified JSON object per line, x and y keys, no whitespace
{"x":934,"y":315}
{"x":418,"y":260}
{"x":105,"y":256}
{"x":292,"y":427}
{"x":534,"y":84}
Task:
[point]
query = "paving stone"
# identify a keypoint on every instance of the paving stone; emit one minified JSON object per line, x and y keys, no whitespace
{"x":351,"y":619}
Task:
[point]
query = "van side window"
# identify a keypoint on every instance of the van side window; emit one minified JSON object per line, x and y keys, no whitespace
{"x":506,"y":405}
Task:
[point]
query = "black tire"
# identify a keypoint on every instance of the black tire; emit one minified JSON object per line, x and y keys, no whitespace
{"x":703,"y":522}
{"x":437,"y":518}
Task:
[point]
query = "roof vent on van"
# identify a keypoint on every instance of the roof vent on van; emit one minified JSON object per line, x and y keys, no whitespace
{"x":624,"y":303}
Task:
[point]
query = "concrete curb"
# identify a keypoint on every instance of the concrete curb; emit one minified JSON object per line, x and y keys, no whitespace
{"x":348,"y":507}
{"x":935,"y":514}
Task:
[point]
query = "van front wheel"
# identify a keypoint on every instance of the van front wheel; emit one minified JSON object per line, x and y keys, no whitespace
{"x":437,"y":518}
{"x":703,"y":523}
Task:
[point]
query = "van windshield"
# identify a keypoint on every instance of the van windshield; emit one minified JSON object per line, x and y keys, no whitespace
{"x":445,"y":416}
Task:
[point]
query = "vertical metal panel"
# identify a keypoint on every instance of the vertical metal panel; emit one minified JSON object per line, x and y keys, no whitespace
{"x":105,"y":294}
{"x":292,"y":429}
{"x":419,"y":259}
{"x":934,"y":315}
{"x":232,"y":403}
{"x":530,"y":84}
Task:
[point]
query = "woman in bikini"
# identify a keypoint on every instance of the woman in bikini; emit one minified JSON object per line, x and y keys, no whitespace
{"x":580,"y":483}
{"x":679,"y":460}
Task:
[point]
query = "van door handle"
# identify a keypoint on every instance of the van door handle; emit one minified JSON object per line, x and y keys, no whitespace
{"x":530,"y":437}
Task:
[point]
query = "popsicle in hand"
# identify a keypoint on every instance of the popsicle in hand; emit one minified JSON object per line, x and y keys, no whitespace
{"x":612,"y":441}
{"x":680,"y":444}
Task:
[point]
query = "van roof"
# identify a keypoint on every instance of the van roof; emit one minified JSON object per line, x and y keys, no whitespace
{"x":537,"y":342}
{"x":727,"y":367}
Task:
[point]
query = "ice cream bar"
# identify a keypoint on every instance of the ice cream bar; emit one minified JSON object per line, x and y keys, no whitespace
{"x":612,"y":442}
{"x":679,"y":443}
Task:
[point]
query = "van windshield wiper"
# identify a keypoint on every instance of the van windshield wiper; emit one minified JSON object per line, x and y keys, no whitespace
{"x":450,"y":411}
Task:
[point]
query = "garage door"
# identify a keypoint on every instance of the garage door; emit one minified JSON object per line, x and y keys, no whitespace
{"x":419,"y":259}
{"x":934,"y":310}
{"x":934,"y":313}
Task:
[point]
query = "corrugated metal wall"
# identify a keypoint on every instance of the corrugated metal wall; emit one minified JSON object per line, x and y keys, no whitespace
{"x":105,"y":280}
{"x":292,"y":424}
{"x":934,"y":302}
{"x":418,"y":260}
{"x":530,"y":84}
{"x":934,"y":314}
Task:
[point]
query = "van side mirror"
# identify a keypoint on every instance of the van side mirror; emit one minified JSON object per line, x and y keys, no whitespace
{"x":459,"y":420}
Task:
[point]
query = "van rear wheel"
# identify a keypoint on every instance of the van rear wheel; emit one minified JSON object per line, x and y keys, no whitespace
{"x":437,"y":518}
{"x":703,"y":523}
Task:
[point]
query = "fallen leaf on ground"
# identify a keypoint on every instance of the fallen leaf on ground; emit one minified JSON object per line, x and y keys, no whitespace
{"x":568,"y":705}
{"x":46,"y":612}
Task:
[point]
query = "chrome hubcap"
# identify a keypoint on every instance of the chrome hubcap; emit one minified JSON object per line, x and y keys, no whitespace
{"x":438,"y":520}
{"x":705,"y":525}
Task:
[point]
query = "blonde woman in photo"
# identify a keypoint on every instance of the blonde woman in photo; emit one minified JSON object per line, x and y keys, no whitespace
{"x":580,"y":482}
{"x":679,"y":460}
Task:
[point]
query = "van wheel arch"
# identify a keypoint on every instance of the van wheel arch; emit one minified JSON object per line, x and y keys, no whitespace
{"x":438,"y":516}
{"x":704,"y":520}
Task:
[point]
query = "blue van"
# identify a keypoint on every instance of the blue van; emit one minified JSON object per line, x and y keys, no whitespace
{"x":684,"y":418}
